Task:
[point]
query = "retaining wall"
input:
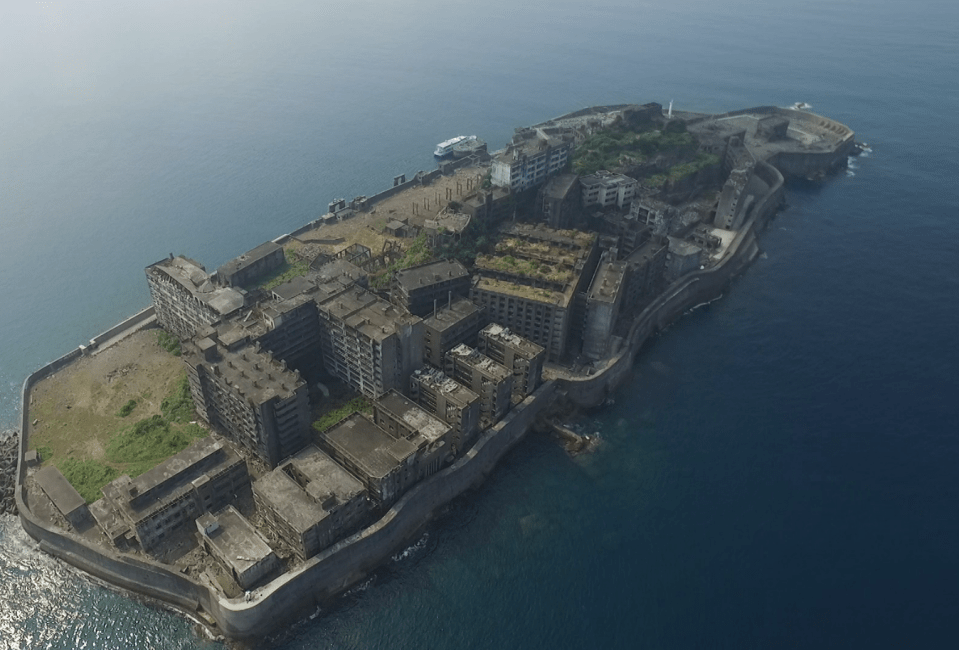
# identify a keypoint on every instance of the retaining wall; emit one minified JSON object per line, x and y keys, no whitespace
{"x":686,"y":292}
{"x":320,"y":578}
{"x":133,"y":323}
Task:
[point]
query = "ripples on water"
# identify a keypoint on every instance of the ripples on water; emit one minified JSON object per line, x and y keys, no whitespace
{"x":43,"y":604}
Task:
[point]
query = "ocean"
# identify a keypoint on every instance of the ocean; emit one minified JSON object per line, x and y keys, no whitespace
{"x":780,"y":468}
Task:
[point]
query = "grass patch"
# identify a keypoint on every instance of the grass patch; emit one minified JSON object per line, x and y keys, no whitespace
{"x":46,"y":453}
{"x":127,"y":409}
{"x":178,"y":406}
{"x":148,"y":442}
{"x":293,"y":267}
{"x":337,"y":413}
{"x":616,"y":147}
{"x":169,"y":342}
{"x":419,"y":252}
{"x":87,"y":476}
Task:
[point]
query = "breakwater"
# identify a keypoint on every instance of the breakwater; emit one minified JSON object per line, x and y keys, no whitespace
{"x":351,"y":559}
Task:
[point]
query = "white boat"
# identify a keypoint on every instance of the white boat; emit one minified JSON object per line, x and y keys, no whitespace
{"x":445,"y":148}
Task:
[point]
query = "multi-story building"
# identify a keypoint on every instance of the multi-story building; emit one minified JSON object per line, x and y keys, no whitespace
{"x":530,"y":158}
{"x":402,"y":418}
{"x":202,"y":478}
{"x":529,"y":284}
{"x":310,"y":501}
{"x":645,"y":277}
{"x":454,"y":322}
{"x":250,"y":397}
{"x":231,"y":539}
{"x":419,"y":289}
{"x":488,"y":379}
{"x":605,"y":188}
{"x":603,"y":301}
{"x":387,"y":465}
{"x":682,"y":257}
{"x":185,"y":299}
{"x":559,"y":200}
{"x":251,"y":265}
{"x":450,"y":401}
{"x":368,"y":343}
{"x":518,"y":354}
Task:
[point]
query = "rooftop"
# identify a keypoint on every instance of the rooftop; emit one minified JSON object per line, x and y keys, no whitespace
{"x":447,"y":316}
{"x":480,"y":361}
{"x":368,"y":446}
{"x":321,"y":486}
{"x":425,"y":425}
{"x":524,"y":346}
{"x":233,"y":539}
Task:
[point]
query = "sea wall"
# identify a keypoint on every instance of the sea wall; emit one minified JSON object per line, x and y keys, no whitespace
{"x":320,"y":578}
{"x":686,"y":292}
{"x":347,"y":562}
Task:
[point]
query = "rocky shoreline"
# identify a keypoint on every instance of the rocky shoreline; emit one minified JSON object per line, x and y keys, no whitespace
{"x":8,"y":471}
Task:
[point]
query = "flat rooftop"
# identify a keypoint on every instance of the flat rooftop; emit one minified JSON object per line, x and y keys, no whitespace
{"x":370,"y":448}
{"x":442,"y":271}
{"x":425,"y":425}
{"x":322,"y":487}
{"x":233,"y":539}
{"x":480,"y":361}
{"x":522,"y":345}
{"x":446,"y":317}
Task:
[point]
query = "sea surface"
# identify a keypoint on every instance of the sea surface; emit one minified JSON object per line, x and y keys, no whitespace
{"x":780,"y":470}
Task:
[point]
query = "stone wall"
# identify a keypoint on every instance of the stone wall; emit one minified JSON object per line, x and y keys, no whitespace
{"x":686,"y":292}
{"x":320,"y":578}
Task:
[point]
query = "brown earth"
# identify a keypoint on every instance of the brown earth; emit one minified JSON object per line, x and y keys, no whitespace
{"x":74,"y":411}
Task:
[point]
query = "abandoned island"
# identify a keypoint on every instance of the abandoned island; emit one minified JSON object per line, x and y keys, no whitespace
{"x":262,"y":437}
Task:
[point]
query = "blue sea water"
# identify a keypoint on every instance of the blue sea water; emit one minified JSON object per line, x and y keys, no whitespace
{"x":779,"y":470}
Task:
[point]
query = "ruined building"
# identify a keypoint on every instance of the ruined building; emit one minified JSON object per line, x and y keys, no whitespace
{"x":309,"y":501}
{"x":529,"y":284}
{"x":488,"y":379}
{"x":517,"y":354}
{"x":250,"y":397}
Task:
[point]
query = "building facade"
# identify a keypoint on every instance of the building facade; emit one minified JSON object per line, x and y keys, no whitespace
{"x":516,"y":353}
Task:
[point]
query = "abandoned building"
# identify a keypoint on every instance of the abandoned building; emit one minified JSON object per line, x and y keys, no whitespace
{"x":450,"y":324}
{"x":202,"y":478}
{"x":184,"y":297}
{"x":531,"y":157}
{"x":517,"y":354}
{"x":488,"y":379}
{"x":236,"y":544}
{"x":249,"y":397}
{"x":310,"y":501}
{"x":419,"y":288}
{"x":242,"y":270}
{"x":450,"y":401}
{"x":529,"y":284}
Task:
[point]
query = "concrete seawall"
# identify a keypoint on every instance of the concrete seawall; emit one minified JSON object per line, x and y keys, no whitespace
{"x":684,"y":293}
{"x":348,"y":561}
{"x":317,"y":580}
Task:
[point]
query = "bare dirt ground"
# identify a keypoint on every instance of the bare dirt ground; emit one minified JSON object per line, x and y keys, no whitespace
{"x":75,"y":410}
{"x":414,"y":205}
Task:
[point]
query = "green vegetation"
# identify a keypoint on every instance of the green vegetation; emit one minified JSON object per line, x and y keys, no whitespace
{"x":178,"y":406}
{"x":683,"y":170}
{"x":46,"y":453}
{"x":293,"y":267}
{"x":127,"y":408}
{"x":338,"y":412}
{"x":617,"y":147}
{"x":87,"y":476}
{"x":135,"y":448}
{"x":169,"y":342}
{"x":149,"y":441}
{"x":419,"y":252}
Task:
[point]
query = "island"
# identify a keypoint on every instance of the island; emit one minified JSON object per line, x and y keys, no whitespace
{"x":263,"y":436}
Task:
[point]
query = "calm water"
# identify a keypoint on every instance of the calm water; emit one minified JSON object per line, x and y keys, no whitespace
{"x":779,"y":471}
